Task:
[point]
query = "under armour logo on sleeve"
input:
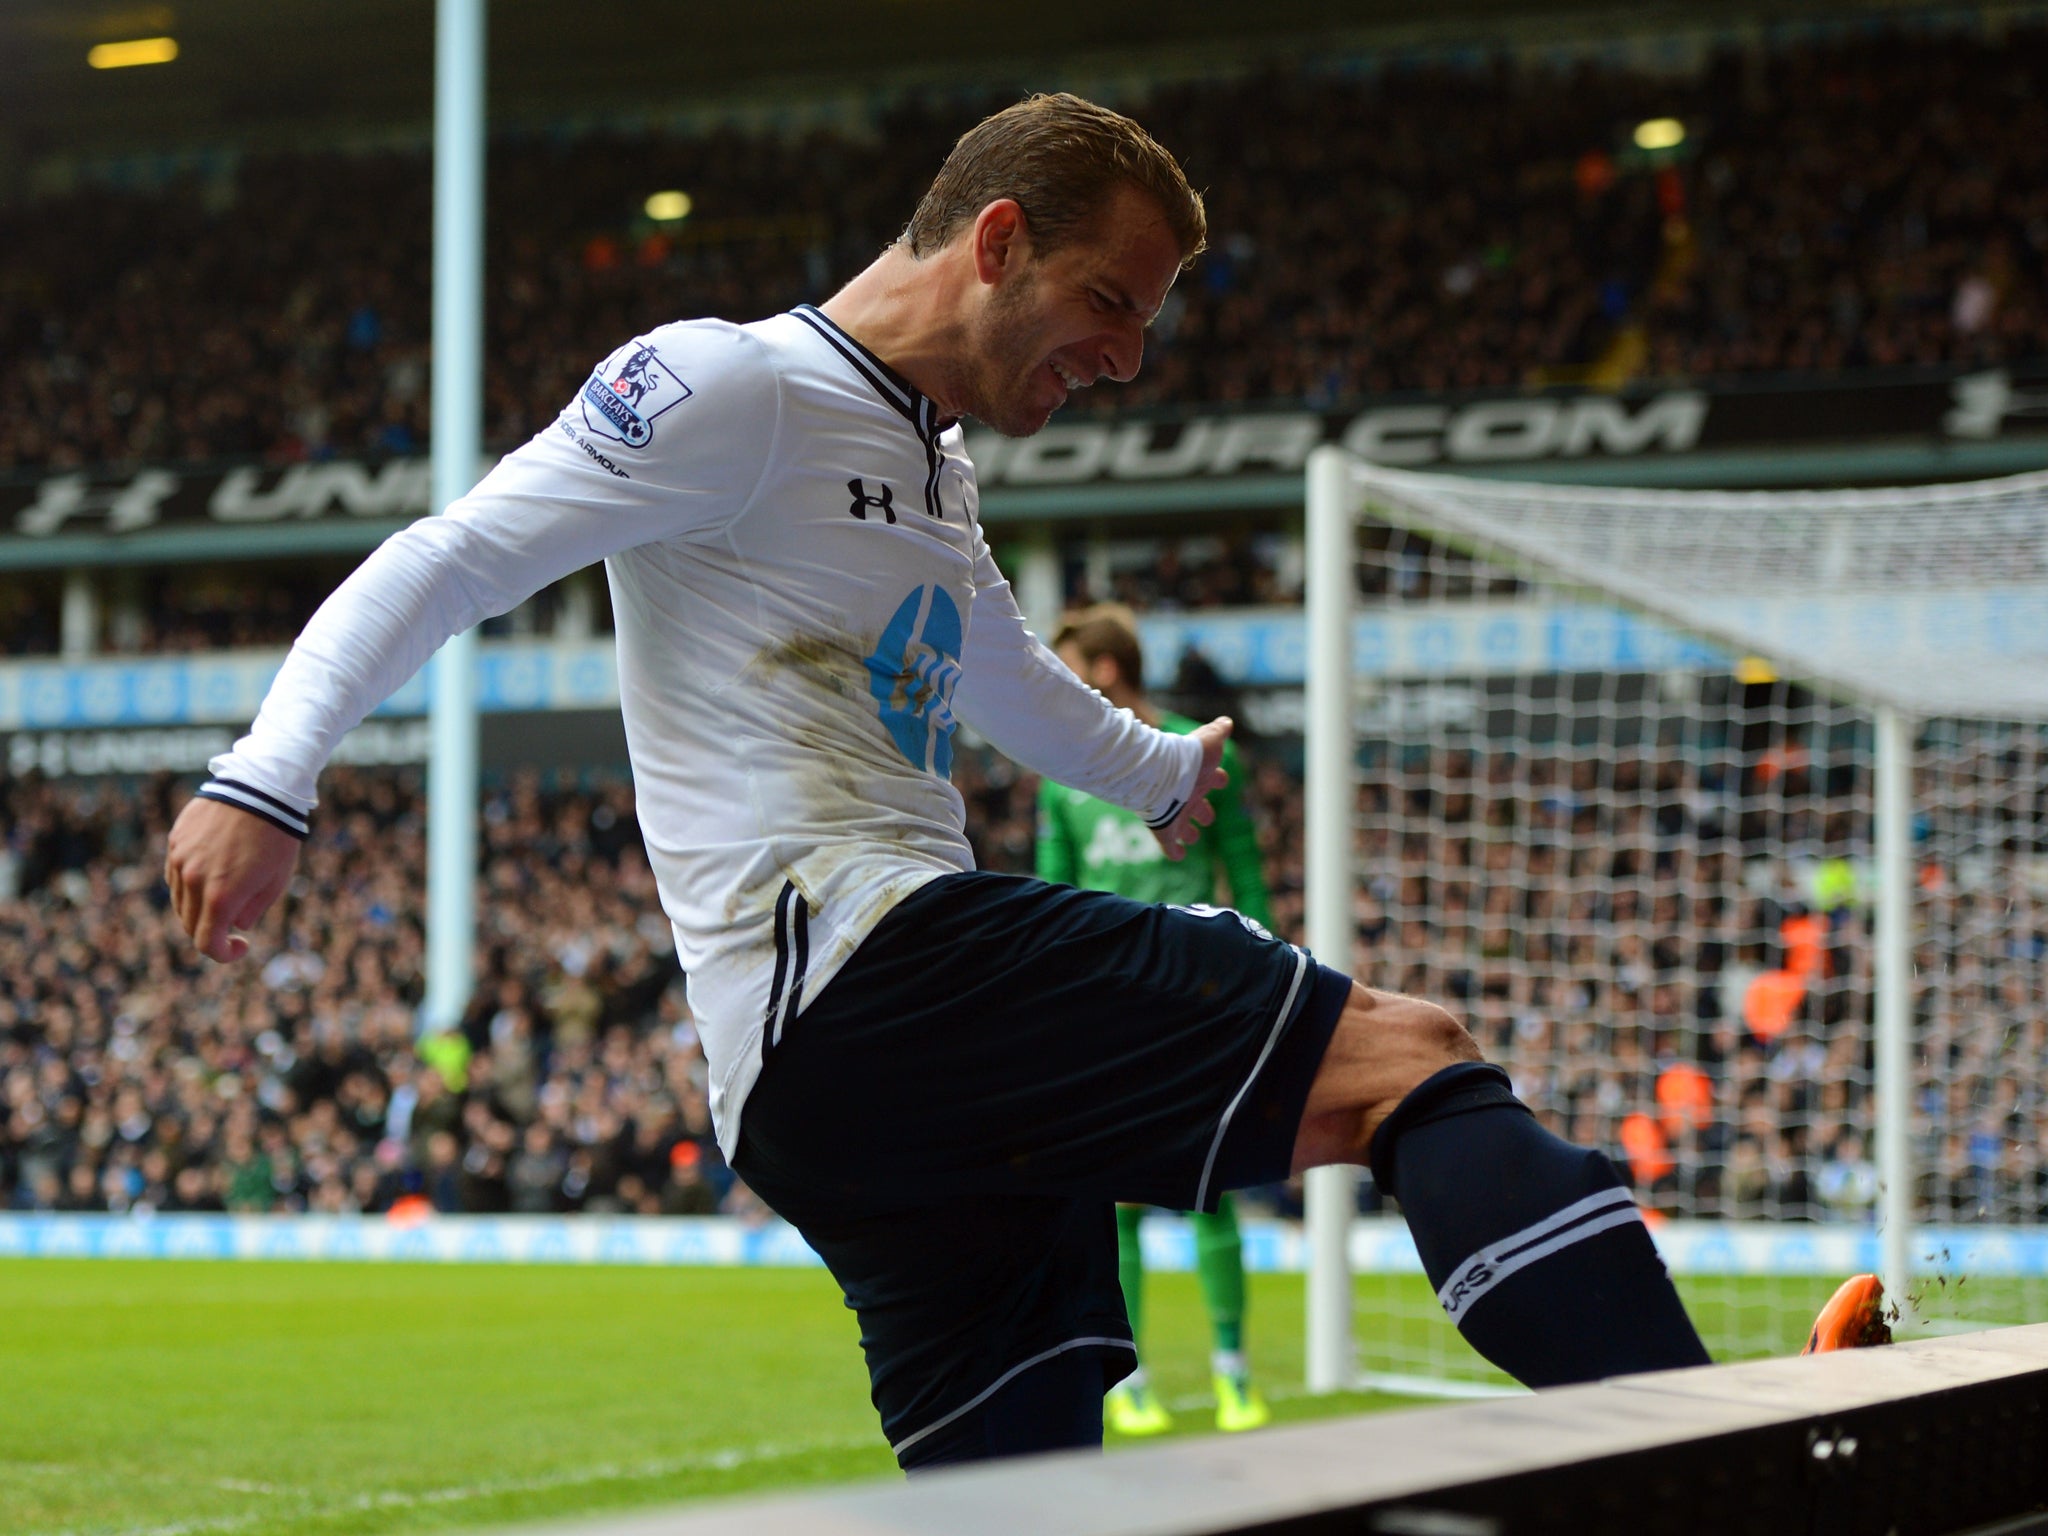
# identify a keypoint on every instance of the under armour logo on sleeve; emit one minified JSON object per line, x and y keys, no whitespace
{"x":862,"y":500}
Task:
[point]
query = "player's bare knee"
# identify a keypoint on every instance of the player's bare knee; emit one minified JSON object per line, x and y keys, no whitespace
{"x":1426,"y":1035}
{"x":1446,"y":1039}
{"x":1384,"y":1047}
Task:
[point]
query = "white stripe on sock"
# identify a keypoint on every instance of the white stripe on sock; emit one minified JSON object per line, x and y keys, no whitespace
{"x":1578,"y":1210}
{"x":1491,"y":1265}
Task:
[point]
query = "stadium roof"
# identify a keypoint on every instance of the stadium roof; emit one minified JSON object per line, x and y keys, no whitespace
{"x":306,"y":70}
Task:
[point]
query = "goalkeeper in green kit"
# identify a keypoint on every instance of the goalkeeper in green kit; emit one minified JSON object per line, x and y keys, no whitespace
{"x":1087,"y":842}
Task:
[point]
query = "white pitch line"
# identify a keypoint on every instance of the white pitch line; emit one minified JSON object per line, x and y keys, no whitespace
{"x":227,"y":1484}
{"x":724,"y":1460}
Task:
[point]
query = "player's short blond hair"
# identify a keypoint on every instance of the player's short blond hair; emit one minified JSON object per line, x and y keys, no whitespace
{"x":1060,"y":158}
{"x":1105,"y":629}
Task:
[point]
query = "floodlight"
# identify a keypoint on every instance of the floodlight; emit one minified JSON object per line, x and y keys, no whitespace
{"x":140,"y":50}
{"x":1660,"y":133}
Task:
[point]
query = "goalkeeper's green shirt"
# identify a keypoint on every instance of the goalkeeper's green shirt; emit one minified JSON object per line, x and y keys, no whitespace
{"x":1088,"y":842}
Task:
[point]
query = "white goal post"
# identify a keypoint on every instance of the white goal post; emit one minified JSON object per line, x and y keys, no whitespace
{"x":1870,"y":614}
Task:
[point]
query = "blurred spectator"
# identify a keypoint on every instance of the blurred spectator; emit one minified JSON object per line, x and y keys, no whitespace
{"x":1848,"y":1183}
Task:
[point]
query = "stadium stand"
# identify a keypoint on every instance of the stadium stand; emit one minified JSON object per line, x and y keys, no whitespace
{"x":131,"y":1074}
{"x":1864,"y":203}
{"x":133,"y":1077}
{"x":1644,"y":1052}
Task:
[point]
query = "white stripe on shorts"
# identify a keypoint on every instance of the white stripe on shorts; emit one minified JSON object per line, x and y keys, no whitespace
{"x":1272,"y":1039}
{"x":1004,"y":1380}
{"x":1486,"y":1269}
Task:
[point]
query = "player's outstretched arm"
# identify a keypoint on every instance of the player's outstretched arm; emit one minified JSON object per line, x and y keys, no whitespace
{"x":225,"y":867}
{"x":1034,"y":710}
{"x":552,"y":506}
{"x":1178,"y":834}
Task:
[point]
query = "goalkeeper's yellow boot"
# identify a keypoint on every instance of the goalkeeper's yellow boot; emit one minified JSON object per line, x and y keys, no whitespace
{"x":1854,"y":1318}
{"x":1238,"y":1406}
{"x":1134,"y":1409}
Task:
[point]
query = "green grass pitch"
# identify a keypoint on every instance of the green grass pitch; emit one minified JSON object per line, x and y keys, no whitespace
{"x":148,"y":1399}
{"x":181,"y":1399}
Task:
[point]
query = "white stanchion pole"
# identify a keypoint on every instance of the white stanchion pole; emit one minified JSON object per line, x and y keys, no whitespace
{"x":1331,"y":759}
{"x":1041,"y":592}
{"x":458,"y":373}
{"x":1894,"y":983}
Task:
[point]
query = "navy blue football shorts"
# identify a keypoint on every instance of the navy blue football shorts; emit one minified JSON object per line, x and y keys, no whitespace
{"x":951,"y":1121}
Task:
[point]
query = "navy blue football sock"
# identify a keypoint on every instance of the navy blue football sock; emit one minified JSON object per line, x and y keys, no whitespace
{"x":1535,"y":1246}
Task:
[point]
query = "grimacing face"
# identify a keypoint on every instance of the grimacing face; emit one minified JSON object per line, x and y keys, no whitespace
{"x":1065,"y":319}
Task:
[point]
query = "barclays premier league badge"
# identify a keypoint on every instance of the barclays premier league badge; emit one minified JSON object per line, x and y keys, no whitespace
{"x":625,"y":395}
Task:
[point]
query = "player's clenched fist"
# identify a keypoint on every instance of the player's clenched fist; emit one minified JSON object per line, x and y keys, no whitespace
{"x":1176,"y":836}
{"x":225,"y":868}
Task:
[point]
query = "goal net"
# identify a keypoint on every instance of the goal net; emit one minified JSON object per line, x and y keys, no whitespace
{"x":1722,"y":819}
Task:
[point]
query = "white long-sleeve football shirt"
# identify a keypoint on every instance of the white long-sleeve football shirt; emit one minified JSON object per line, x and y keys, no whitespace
{"x":805,"y":608}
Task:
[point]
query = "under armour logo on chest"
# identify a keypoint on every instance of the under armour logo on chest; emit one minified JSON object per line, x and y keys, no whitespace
{"x":862,"y":500}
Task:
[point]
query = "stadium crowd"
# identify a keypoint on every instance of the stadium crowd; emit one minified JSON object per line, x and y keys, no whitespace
{"x":1606,"y":921}
{"x":1875,"y":201}
{"x":131,"y":1075}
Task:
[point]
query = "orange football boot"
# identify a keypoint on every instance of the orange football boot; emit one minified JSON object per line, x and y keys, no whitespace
{"x":1853,"y":1318}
